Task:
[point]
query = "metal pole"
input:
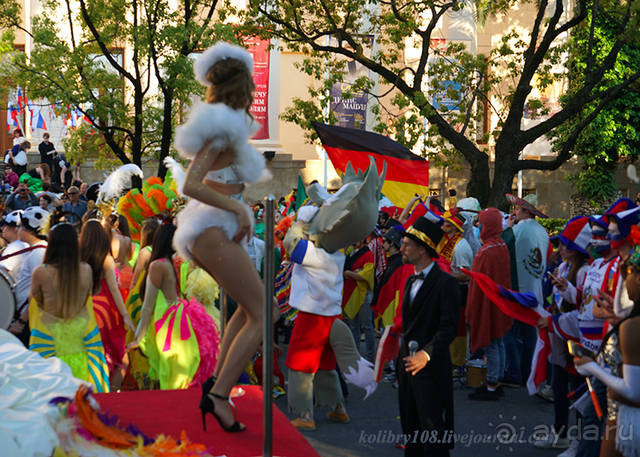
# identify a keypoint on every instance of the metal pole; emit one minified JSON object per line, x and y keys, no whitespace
{"x":325,"y":169}
{"x":267,"y":344}
{"x":223,"y":311}
{"x":520,"y":184}
{"x":326,"y":112}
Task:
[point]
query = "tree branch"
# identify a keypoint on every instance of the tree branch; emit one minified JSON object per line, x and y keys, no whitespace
{"x":103,"y":47}
{"x":466,"y":147}
{"x":535,"y":31}
{"x":70,"y":19}
{"x":471,"y":104}
{"x":426,"y":43}
{"x":567,"y":147}
{"x":581,"y":98}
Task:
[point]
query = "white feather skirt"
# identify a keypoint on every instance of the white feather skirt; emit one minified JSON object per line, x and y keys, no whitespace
{"x":627,"y":440}
{"x":196,"y":217}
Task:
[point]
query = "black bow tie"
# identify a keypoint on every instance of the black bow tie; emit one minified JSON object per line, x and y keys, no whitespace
{"x":415,"y":277}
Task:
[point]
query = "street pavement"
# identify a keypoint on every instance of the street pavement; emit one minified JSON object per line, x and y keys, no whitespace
{"x":505,"y":427}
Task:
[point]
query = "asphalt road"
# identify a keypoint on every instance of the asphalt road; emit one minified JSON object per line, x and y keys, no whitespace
{"x":505,"y":427}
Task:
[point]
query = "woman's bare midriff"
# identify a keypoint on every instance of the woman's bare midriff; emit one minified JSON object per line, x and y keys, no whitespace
{"x":224,"y":160}
{"x":225,"y":189}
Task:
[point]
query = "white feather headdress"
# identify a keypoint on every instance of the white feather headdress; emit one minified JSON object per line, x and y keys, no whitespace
{"x":220,"y":51}
{"x":177,"y":173}
{"x":118,"y":181}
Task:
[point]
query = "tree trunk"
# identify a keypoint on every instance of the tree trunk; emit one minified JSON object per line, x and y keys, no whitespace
{"x":167,"y":133}
{"x":502,"y":179}
{"x":479,"y":184}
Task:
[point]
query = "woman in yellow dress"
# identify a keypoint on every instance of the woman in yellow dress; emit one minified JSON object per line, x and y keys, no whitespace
{"x":61,"y":314}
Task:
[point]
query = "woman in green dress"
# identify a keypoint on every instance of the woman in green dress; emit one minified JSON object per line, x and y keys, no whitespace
{"x":61,"y":313}
{"x":178,"y":337}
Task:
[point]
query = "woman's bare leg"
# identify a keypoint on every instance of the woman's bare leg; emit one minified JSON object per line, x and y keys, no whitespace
{"x":232,"y":268}
{"x":234,"y":325}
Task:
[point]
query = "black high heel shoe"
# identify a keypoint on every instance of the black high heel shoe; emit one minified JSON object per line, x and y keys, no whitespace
{"x":208,"y":385}
{"x":207,"y":406}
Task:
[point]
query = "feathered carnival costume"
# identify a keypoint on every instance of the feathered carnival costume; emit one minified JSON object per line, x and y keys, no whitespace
{"x":320,"y":339}
{"x":181,"y":344}
{"x":220,"y":128}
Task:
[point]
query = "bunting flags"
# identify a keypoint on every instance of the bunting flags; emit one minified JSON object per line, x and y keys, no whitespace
{"x":407,"y":173}
{"x":40,"y":123}
{"x":22,"y":101}
{"x":12,"y":116}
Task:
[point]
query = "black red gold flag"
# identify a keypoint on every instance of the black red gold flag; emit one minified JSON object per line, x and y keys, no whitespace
{"x":407,"y":173}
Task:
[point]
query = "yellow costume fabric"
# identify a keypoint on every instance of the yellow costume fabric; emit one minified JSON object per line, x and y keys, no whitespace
{"x":76,"y":341}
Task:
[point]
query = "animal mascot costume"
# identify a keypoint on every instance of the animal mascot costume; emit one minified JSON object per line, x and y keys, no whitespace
{"x":320,"y":339}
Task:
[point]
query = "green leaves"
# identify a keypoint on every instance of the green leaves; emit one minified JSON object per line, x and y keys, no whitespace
{"x":614,"y":134}
{"x":78,"y":60}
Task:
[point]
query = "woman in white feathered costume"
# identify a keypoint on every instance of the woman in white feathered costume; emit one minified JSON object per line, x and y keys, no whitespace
{"x":214,"y":227}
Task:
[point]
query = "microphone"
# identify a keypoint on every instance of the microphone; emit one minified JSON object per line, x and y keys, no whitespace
{"x":413,"y":348}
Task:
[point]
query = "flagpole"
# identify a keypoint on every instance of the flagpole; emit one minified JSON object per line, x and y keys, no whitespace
{"x":325,"y":169}
{"x":27,"y":50}
{"x":267,"y":341}
{"x":326,"y":112}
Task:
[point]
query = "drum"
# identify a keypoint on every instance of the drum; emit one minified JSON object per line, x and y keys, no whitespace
{"x":8,"y":303}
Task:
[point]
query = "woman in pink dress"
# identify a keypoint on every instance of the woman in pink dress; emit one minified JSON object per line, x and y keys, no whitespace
{"x":111,"y":314}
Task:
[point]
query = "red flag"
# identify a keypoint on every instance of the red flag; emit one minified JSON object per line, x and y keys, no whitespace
{"x":511,"y":303}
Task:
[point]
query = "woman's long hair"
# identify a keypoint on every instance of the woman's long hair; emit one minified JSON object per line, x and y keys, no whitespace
{"x":62,"y":253}
{"x":94,"y":247}
{"x":46,"y":171}
{"x":161,"y":248}
{"x":231,"y":84}
{"x":579,"y":259}
{"x":148,"y":231}
{"x":123,"y":226}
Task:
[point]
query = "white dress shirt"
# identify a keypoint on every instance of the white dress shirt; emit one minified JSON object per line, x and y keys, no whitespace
{"x":417,"y":283}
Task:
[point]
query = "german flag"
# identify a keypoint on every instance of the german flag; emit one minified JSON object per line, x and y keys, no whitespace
{"x":407,"y":173}
{"x":354,"y":292}
{"x":390,"y":291}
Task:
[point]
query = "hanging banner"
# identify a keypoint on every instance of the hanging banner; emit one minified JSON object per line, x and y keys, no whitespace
{"x":351,"y":112}
{"x":259,"y":49}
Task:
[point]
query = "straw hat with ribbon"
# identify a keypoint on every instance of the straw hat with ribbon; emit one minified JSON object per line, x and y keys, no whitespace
{"x":529,"y":202}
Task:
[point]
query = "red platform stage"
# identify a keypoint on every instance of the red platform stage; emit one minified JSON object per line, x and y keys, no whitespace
{"x":169,"y":412}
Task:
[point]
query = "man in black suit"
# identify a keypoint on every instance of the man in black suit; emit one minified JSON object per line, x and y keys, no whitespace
{"x":430,"y":309}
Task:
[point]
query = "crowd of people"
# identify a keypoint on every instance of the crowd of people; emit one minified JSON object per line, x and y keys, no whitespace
{"x":139,"y":311}
{"x":51,"y":183}
{"x":582,"y":285}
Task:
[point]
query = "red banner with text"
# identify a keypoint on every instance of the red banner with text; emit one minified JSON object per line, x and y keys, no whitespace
{"x":259,"y":49}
